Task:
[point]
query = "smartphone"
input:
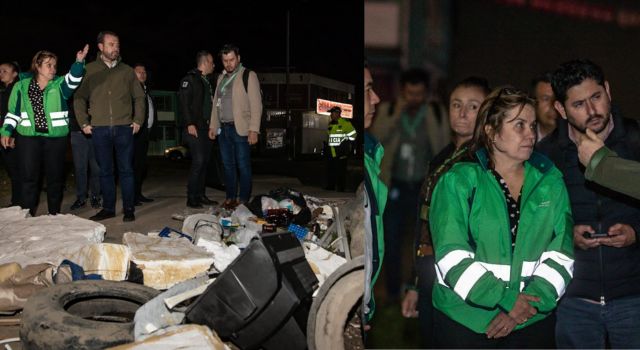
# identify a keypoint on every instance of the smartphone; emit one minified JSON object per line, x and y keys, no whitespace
{"x":596,"y":235}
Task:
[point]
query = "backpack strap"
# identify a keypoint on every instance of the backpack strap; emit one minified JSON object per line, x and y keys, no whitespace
{"x":245,"y":79}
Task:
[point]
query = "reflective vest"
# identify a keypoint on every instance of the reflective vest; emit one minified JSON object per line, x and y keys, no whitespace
{"x":338,"y":133}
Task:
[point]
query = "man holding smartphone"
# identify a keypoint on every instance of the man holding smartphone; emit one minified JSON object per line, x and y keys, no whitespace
{"x":603,"y":300}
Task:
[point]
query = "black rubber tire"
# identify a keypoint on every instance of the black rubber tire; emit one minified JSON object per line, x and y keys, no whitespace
{"x":82,"y":315}
{"x":338,"y":283}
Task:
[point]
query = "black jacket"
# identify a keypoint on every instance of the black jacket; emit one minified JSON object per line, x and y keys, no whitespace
{"x":190,"y":97}
{"x":604,"y":271}
{"x":5,"y":92}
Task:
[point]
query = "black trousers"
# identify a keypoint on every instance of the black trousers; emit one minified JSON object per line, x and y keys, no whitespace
{"x":450,"y":334}
{"x":200,"y":149}
{"x":336,"y":173}
{"x":12,"y":164}
{"x":36,"y":154}
{"x":140,"y":149}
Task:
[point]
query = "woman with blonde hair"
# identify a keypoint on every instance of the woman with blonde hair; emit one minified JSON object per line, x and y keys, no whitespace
{"x":502,"y":234}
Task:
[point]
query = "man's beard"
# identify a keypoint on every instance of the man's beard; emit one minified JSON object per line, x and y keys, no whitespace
{"x":112,"y":56}
{"x":583,"y":130}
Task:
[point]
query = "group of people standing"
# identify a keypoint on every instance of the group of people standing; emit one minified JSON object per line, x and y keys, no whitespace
{"x":517,"y":243}
{"x":106,"y":107}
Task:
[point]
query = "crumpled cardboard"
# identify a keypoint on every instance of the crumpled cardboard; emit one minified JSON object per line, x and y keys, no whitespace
{"x":15,"y":291}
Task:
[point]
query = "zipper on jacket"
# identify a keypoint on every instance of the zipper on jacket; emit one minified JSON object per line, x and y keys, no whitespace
{"x":110,"y":110}
{"x":599,"y":216}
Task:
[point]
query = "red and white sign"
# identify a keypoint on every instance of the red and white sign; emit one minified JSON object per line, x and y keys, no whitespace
{"x":323,"y":107}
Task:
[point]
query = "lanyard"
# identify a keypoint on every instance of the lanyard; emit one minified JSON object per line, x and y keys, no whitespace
{"x":410,"y":126}
{"x":228,"y":79}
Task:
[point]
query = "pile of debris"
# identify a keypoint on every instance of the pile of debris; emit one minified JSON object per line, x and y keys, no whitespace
{"x":247,"y":274}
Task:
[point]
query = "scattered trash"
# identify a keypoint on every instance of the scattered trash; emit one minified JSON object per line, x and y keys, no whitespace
{"x":44,"y":239}
{"x":111,"y":261}
{"x":155,"y":314}
{"x":166,"y":261}
{"x":182,"y":337}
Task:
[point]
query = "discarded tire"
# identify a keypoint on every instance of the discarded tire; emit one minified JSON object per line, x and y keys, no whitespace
{"x":339,"y":294}
{"x":82,"y":315}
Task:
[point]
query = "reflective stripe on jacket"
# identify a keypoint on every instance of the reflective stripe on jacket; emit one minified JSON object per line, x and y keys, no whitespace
{"x":20,"y":115}
{"x":479,"y":274}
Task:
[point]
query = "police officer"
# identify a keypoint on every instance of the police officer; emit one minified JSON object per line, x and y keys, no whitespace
{"x":341,"y":134}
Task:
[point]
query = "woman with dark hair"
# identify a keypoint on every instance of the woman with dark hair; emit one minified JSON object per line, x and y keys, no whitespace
{"x":38,"y":114}
{"x":502,"y":234}
{"x":8,"y":76}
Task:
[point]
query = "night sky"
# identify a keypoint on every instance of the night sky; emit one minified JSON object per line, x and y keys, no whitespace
{"x":326,"y":37}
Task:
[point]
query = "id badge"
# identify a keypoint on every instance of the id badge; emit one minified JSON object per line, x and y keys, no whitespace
{"x":406,"y":151}
{"x":219,"y":103}
{"x":219,"y":131}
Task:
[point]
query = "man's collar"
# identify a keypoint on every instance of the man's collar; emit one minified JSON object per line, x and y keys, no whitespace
{"x":112,"y":64}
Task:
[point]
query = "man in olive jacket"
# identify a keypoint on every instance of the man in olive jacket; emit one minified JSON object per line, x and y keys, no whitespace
{"x":103,"y":109}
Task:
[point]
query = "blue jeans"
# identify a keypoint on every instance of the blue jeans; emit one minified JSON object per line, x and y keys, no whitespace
{"x":106,"y":139}
{"x":87,"y":171}
{"x":584,"y":325}
{"x":236,"y":158}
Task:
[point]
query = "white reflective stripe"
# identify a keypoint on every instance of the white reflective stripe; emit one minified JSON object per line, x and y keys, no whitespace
{"x":10,"y":121}
{"x":72,"y":78}
{"x":502,"y":272}
{"x":552,"y":276}
{"x":468,"y":279}
{"x":528,"y":267}
{"x":353,"y":132}
{"x":452,"y":259}
{"x":337,"y":135}
{"x":59,"y":115}
{"x":521,"y":286}
{"x":559,"y":258}
{"x":58,"y":122}
{"x":25,"y":122}
{"x":13,"y":116}
{"x":24,"y":115}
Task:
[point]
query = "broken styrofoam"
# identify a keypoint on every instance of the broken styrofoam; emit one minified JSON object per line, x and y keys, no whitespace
{"x":166,"y":261}
{"x":44,"y":239}
{"x":323,"y":262}
{"x":11,"y":214}
{"x":109,"y":260}
{"x":223,"y":255}
{"x":155,"y":314}
{"x":183,"y":337}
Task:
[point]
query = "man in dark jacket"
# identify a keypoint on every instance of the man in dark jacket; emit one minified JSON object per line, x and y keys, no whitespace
{"x":603,"y":300}
{"x":141,"y":139}
{"x":196,"y":101}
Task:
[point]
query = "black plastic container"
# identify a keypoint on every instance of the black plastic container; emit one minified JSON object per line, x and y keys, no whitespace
{"x":262,"y":299}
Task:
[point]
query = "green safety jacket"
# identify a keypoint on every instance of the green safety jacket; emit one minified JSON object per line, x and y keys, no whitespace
{"x":375,"y":201}
{"x":338,"y":133}
{"x":20,"y":115}
{"x":478,"y":272}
